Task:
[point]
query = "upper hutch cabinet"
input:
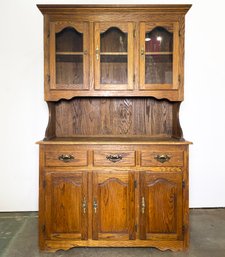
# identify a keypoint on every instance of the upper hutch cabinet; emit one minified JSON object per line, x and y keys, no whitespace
{"x":115,"y":53}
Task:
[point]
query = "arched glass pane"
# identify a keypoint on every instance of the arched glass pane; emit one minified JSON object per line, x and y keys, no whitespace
{"x":158,"y":40}
{"x":69,"y":57}
{"x":69,"y":40}
{"x":113,"y":40}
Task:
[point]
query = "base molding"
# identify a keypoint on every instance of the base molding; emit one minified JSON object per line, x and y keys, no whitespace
{"x":53,"y":245}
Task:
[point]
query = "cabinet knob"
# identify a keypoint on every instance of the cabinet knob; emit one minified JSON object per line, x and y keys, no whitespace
{"x":114,"y":157}
{"x":66,"y":157}
{"x":162,"y":158}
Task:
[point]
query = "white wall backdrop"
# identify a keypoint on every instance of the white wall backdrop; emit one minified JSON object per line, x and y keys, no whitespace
{"x":24,"y":115}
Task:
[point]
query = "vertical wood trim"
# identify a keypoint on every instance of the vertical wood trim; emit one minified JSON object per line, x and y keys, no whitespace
{"x":86,"y":65}
{"x":48,"y":204}
{"x":84,"y":219}
{"x":96,"y":62}
{"x":46,"y":55}
{"x":186,"y":198}
{"x":181,"y":56}
{"x":52,"y":57}
{"x":131,"y":228}
{"x":90,"y":214}
{"x":95,"y":197}
{"x":41,"y":214}
{"x":142,"y":219}
{"x":179,"y":213}
{"x":130,"y":56}
{"x":91,"y":55}
{"x":175,"y":55}
{"x":142,"y":58}
{"x":137,"y":196}
{"x":136,"y":56}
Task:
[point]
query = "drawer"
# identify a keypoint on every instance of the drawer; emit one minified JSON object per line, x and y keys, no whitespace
{"x":162,"y":158}
{"x":114,"y":158}
{"x":66,"y":158}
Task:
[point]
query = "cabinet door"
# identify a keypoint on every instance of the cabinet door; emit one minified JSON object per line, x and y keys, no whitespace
{"x":113,"y":56}
{"x":69,"y":56}
{"x":66,"y":205}
{"x":160,"y":206}
{"x":113,"y":205}
{"x":159,"y":52}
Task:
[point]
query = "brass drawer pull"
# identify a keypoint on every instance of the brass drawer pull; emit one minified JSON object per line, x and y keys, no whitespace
{"x":162,"y":158}
{"x":66,"y":157}
{"x":114,"y":157}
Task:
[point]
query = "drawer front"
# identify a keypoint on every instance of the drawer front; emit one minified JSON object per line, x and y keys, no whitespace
{"x":162,"y":158}
{"x":66,"y":158}
{"x":114,"y":158}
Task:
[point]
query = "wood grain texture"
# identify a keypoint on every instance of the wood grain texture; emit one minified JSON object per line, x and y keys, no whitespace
{"x":102,"y":158}
{"x":64,"y":196}
{"x":114,"y":195}
{"x":79,"y":158}
{"x":161,"y":217}
{"x":114,"y":116}
{"x":149,"y":158}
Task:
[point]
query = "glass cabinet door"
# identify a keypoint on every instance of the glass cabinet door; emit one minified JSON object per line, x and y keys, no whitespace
{"x":158,"y":56}
{"x":113,"y":56}
{"x":69,"y":51}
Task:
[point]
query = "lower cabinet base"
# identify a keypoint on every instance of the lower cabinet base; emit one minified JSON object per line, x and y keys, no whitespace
{"x":53,"y":246}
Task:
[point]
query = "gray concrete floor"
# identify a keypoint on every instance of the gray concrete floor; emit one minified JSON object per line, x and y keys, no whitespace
{"x":18,"y":238}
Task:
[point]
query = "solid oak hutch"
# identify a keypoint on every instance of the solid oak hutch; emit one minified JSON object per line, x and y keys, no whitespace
{"x":113,"y":163}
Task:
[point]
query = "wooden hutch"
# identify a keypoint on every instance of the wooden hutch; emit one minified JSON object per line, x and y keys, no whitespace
{"x":113,"y":163}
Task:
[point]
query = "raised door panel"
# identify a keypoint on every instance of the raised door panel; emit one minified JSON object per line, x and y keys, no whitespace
{"x":160,"y":206}
{"x":69,"y":56}
{"x":159,"y":53}
{"x":113,"y":61}
{"x":66,"y":205}
{"x":113,"y":205}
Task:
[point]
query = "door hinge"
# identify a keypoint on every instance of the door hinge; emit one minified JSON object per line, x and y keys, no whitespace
{"x":48,"y":35}
{"x":183,"y":184}
{"x":135,"y":183}
{"x":134,"y":33}
{"x":134,"y":78}
{"x":183,"y":228}
{"x":179,"y":33}
{"x":43,"y":228}
{"x":48,"y":78}
{"x":44,"y":184}
{"x":135,"y":227}
{"x":179,"y":79}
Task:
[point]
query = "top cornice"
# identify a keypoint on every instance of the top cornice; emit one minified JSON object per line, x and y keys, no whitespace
{"x":70,"y":9}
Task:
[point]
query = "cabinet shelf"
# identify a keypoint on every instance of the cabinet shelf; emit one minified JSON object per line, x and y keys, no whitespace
{"x":113,"y":53}
{"x":158,"y":53}
{"x":69,"y":53}
{"x":115,"y":140}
